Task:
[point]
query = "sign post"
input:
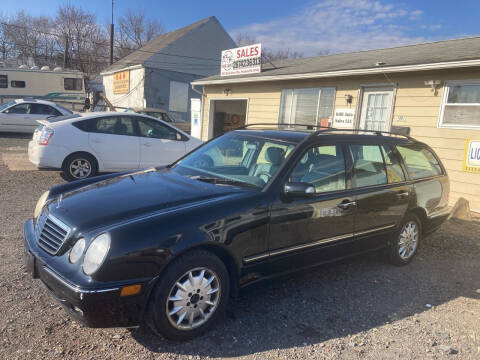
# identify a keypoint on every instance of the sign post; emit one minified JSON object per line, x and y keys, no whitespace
{"x":242,"y":60}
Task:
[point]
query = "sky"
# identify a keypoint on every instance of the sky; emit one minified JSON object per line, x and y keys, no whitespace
{"x":307,"y":26}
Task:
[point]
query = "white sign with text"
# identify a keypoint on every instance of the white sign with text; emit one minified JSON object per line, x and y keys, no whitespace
{"x":242,"y":60}
{"x":343,"y":118}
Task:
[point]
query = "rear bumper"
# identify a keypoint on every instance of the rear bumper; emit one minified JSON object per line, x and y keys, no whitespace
{"x":49,"y":156}
{"x":95,"y":307}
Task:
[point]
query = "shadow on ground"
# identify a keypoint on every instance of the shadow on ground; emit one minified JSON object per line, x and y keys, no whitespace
{"x":340,"y":299}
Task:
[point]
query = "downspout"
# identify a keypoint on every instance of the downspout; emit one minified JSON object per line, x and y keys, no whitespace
{"x":203,"y":94}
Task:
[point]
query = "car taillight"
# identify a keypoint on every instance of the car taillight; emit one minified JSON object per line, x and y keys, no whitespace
{"x":45,"y":136}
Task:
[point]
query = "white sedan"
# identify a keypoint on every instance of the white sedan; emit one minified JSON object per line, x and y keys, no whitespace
{"x":21,"y":115}
{"x":83,"y":146}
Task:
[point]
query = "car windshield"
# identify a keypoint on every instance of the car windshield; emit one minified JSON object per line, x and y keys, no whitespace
{"x":6,"y":105}
{"x":236,"y":159}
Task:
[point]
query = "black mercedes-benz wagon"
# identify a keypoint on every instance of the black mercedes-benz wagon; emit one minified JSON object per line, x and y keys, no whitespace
{"x":168,"y":246}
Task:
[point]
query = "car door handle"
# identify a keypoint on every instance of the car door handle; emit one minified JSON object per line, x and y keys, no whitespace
{"x":147,"y":144}
{"x":401,"y":194}
{"x":344,"y":205}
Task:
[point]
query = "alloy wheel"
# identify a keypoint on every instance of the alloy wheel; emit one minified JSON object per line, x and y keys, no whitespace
{"x":193,"y":298}
{"x":80,"y":168}
{"x":408,"y":240}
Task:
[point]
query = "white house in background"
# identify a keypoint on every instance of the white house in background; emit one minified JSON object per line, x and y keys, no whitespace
{"x":159,"y":74}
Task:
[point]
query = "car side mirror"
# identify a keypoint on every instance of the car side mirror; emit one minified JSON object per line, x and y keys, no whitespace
{"x":179,"y":137}
{"x":299,"y":189}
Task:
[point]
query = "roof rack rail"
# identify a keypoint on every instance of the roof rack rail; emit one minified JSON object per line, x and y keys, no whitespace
{"x":323,"y":129}
{"x":290,"y":126}
{"x":376,"y":132}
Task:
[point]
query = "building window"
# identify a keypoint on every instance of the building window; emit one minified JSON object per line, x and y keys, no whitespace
{"x":72,"y":84}
{"x":308,"y":106}
{"x":461,"y":105}
{"x":3,"y":81}
{"x":178,"y":100}
{"x":17,"y":83}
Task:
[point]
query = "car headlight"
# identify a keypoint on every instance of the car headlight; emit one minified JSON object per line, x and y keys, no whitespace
{"x":96,"y":253}
{"x":40,"y":203}
{"x":77,"y":251}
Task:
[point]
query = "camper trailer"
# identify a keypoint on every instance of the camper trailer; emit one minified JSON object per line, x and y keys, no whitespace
{"x":61,"y":86}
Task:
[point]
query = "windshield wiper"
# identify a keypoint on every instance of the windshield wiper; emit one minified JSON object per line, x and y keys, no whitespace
{"x":223,"y":181}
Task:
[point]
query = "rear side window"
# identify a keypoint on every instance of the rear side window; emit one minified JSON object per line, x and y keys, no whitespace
{"x":3,"y":81}
{"x":72,"y":84}
{"x":42,"y":109}
{"x":420,"y":162}
{"x":369,"y":168}
{"x":394,"y":169}
{"x":117,"y":125}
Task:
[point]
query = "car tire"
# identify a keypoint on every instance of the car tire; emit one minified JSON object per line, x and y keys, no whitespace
{"x":79,"y":166}
{"x":405,"y":242}
{"x":198,"y":283}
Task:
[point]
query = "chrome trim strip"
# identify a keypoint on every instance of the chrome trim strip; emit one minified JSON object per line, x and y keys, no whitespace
{"x":297,"y":247}
{"x":438,"y":213}
{"x":375,"y":229}
{"x":75,"y":288}
{"x":316,"y":243}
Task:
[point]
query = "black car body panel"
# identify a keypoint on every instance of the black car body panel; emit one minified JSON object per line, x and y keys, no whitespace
{"x":153,"y":216}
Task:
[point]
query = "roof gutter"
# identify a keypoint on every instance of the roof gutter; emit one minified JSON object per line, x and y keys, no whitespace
{"x":338,"y":73}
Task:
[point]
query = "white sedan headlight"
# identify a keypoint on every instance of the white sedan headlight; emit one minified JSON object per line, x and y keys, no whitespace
{"x":40,"y":203}
{"x":77,"y":251}
{"x":96,"y":253}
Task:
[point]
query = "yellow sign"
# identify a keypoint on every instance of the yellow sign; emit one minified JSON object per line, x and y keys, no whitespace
{"x":121,"y":82}
{"x":471,"y":160}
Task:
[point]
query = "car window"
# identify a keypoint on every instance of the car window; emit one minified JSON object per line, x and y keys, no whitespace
{"x":369,"y":168}
{"x":420,"y":162}
{"x":154,"y":129}
{"x":42,"y":109}
{"x":6,"y":105}
{"x":395,"y":172}
{"x":322,"y":166}
{"x":23,"y":108}
{"x":117,"y":125}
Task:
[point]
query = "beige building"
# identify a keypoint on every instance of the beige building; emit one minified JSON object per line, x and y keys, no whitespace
{"x":434,"y":89}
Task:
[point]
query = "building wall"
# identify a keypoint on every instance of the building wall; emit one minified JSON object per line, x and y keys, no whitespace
{"x":135,"y":98}
{"x":415,"y":106}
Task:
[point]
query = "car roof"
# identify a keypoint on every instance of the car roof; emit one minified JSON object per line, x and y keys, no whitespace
{"x":32,"y":100}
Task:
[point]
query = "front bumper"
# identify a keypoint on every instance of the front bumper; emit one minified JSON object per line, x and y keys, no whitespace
{"x":95,"y":307}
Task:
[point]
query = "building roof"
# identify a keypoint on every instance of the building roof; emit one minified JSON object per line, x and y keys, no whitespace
{"x":156,"y":45}
{"x":427,"y":56}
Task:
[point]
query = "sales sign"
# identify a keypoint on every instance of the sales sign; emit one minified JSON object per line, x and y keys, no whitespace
{"x":121,"y":82}
{"x":243,"y":60}
{"x":471,"y":161}
{"x":343,"y":118}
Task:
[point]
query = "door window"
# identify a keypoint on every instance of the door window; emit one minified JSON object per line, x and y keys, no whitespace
{"x":117,"y":125}
{"x":394,"y":169}
{"x":369,"y":168}
{"x":376,"y":109}
{"x":41,"y":109}
{"x":154,"y":129}
{"x":420,"y":162}
{"x":323,"y":166}
{"x":20,"y":109}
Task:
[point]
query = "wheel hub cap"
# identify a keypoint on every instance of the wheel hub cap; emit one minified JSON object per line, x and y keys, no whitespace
{"x":193,"y":298}
{"x":80,"y":168}
{"x":408,"y":240}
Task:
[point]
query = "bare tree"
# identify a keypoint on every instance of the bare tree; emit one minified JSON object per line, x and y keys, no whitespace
{"x":135,"y":30}
{"x":279,"y":54}
{"x":6,"y":45}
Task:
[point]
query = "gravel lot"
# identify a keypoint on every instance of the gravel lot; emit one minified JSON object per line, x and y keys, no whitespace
{"x":358,"y":308}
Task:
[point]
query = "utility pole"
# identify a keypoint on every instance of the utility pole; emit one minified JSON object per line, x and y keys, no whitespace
{"x":111,"y":38}
{"x":65,"y":53}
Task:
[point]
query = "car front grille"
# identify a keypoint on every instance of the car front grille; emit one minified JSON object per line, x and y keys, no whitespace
{"x":50,"y":233}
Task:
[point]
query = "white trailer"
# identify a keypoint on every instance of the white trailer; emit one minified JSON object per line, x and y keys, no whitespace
{"x":58,"y":85}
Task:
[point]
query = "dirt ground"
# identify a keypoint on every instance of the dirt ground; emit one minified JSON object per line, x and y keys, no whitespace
{"x":359,"y":308}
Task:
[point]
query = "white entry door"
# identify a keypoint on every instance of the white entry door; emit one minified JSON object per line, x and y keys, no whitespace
{"x":376,"y":109}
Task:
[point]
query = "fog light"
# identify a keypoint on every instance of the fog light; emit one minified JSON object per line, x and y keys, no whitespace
{"x":130,"y":290}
